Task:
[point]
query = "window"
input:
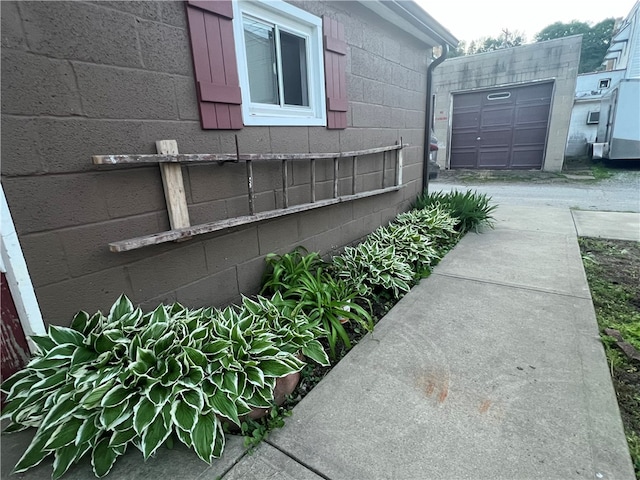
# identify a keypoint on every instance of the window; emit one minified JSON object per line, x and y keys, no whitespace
{"x":498,"y":96}
{"x":280,"y":64}
{"x":593,"y":118}
{"x":604,"y":83}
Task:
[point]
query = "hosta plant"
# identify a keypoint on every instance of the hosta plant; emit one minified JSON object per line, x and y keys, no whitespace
{"x":409,"y":244}
{"x":472,"y":209}
{"x":434,"y":223}
{"x":130,"y":378}
{"x":374,"y":269}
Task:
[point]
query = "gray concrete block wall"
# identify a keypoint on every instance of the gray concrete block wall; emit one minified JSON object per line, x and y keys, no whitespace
{"x":555,"y":60}
{"x":88,"y":78}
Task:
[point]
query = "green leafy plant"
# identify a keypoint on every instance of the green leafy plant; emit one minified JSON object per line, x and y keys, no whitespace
{"x":255,"y":431}
{"x":303,"y":278}
{"x":331,"y":302}
{"x":284,"y":271}
{"x":472,"y":209}
{"x":435,"y":223}
{"x":374,"y":269}
{"x":130,"y":378}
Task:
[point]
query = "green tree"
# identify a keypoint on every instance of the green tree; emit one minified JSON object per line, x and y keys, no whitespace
{"x":595,"y":40}
{"x":506,"y":39}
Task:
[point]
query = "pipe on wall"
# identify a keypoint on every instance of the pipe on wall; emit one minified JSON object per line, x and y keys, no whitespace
{"x":427,"y":116}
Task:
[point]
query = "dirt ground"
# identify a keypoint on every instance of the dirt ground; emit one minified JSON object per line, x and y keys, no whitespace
{"x":613,"y":271}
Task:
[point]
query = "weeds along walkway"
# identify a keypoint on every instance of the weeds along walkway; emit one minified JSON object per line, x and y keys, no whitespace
{"x":491,"y":368}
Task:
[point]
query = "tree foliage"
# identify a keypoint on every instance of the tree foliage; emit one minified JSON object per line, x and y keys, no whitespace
{"x":595,"y":40}
{"x":506,"y":39}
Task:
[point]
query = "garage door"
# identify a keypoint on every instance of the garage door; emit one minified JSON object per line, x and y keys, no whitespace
{"x":501,"y":128}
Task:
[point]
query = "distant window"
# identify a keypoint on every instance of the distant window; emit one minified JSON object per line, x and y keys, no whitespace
{"x":604,"y":83}
{"x":593,"y":117}
{"x":498,"y":96}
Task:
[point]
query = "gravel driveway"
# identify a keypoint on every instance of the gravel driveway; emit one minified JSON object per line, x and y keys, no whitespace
{"x":620,"y":193}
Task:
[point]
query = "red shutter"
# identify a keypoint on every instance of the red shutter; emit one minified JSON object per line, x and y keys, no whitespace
{"x":335,"y":64}
{"x":214,"y":62}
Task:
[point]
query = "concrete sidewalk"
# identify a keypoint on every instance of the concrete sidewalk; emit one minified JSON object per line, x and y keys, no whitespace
{"x":491,"y":368}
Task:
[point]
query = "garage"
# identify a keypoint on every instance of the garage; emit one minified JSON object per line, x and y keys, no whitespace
{"x":504,"y":128}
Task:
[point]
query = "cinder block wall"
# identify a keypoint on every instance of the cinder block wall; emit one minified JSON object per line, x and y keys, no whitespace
{"x":87,"y":78}
{"x":551,"y":60}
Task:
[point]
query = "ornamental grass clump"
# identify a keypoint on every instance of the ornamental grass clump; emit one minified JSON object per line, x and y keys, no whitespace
{"x":130,"y":378}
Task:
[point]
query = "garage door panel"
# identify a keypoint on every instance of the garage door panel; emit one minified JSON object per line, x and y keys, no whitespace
{"x":535,"y":93}
{"x":465,"y":159}
{"x":464,"y":139}
{"x":526,"y":158}
{"x":493,"y":158}
{"x":497,"y":116}
{"x":497,"y":137}
{"x":532,"y":114}
{"x":529,"y":136}
{"x":462,"y":121}
{"x":469,"y":100}
{"x":504,"y":128}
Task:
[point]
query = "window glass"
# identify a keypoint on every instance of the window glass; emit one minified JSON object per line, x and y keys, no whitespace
{"x":294,"y":69}
{"x":261,"y":61}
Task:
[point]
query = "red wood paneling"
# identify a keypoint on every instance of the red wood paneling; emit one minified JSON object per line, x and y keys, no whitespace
{"x":214,"y":63}
{"x":14,"y":350}
{"x":335,"y":64}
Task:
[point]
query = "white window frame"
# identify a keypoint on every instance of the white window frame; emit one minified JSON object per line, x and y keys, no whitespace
{"x":298,"y":22}
{"x":604,"y":83}
{"x":590,"y":115}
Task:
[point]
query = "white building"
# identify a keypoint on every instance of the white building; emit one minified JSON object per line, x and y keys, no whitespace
{"x":621,"y":63}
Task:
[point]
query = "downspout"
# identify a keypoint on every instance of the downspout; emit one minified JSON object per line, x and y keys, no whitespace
{"x":428,"y":114}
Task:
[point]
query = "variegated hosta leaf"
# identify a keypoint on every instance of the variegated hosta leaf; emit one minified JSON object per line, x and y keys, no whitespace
{"x":34,"y":454}
{"x":65,"y":434}
{"x":315,"y":352}
{"x":158,"y":394}
{"x":183,"y":414}
{"x":204,"y":435}
{"x":88,"y":430}
{"x":223,"y":405}
{"x":123,"y":437}
{"x":195,"y":398}
{"x":64,"y":458}
{"x":115,"y":396}
{"x":111,"y":417}
{"x":44,"y":343}
{"x":156,"y":432}
{"x":94,"y":397}
{"x":274,"y":367}
{"x":144,"y":412}
{"x":64,"y":335}
{"x":103,"y":457}
{"x":122,"y":307}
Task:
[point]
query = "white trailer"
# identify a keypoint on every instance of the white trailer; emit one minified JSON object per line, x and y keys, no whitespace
{"x":618,"y":136}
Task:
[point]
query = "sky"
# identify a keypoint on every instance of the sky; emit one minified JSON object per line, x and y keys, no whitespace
{"x":471,"y":19}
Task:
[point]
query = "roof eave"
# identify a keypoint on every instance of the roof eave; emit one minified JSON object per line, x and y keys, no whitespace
{"x":408,"y":16}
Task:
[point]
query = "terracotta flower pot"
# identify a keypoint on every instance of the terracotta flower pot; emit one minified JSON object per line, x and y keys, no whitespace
{"x":284,"y":386}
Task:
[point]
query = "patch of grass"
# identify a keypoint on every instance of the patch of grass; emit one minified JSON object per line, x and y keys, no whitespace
{"x":613,"y":272}
{"x":601,"y":171}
